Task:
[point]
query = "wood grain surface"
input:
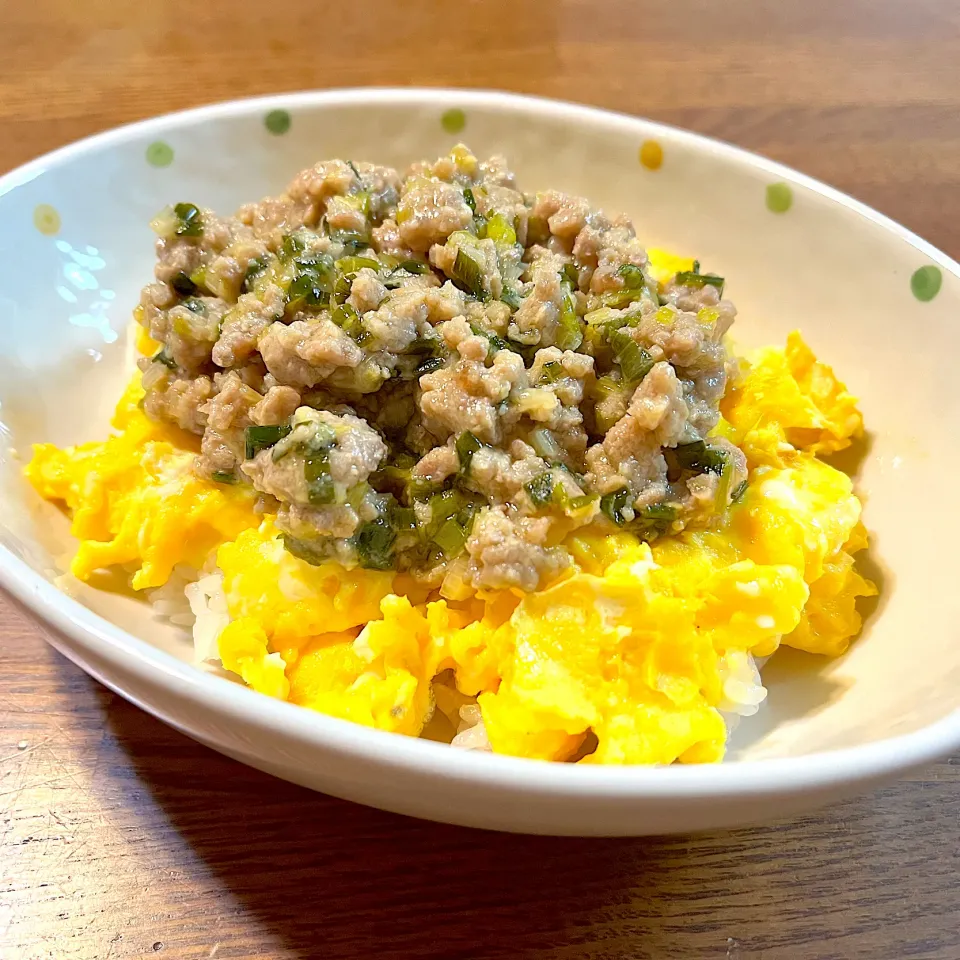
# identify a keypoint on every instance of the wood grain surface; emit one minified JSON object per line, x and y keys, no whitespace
{"x":121,"y":838}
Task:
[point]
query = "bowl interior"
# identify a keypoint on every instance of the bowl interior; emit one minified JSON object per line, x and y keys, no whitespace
{"x":75,"y":248}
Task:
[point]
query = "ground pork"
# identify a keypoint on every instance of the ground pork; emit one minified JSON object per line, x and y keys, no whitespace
{"x":175,"y":399}
{"x":306,"y":352}
{"x":277,"y":406}
{"x":505,"y":552}
{"x":349,"y":448}
{"x":429,"y":211}
{"x":535,"y":322}
{"x":405,"y":314}
{"x":268,"y":319}
{"x":245,"y":322}
{"x":467,"y":396}
{"x":228,"y":414}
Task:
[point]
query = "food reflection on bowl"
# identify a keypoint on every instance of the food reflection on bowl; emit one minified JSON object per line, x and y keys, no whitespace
{"x":429,"y":454}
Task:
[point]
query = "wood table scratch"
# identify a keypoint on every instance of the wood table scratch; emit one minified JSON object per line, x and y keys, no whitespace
{"x":119,"y":838}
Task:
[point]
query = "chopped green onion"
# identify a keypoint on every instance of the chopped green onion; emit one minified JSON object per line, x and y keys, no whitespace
{"x":419,"y":488}
{"x":359,"y":201}
{"x":692,"y":279}
{"x":321,"y":489}
{"x":424,"y":347}
{"x":635,"y":362}
{"x":312,"y":553}
{"x":696,"y":266}
{"x":466,"y":513}
{"x":195,"y":305}
{"x":254,"y":268}
{"x":182,"y":284}
{"x":571,"y":275}
{"x":632,"y":275}
{"x":498,"y":343}
{"x":538,"y":230}
{"x":605,"y":387}
{"x":445,"y":505}
{"x":500,"y":231}
{"x":351,"y":240}
{"x":224,"y":476}
{"x":470,"y":200}
{"x":349,"y":320}
{"x":374,"y":544}
{"x":305,"y":291}
{"x":511,"y":298}
{"x":540,"y":489}
{"x":292,"y":245}
{"x":552,"y":372}
{"x":578,"y":503}
{"x":613,"y":505}
{"x":659,"y":511}
{"x":467,"y":445}
{"x":723,"y":484}
{"x":324,"y":437}
{"x":354,"y":264}
{"x":606,"y":318}
{"x":700,"y":457}
{"x":346,"y":316}
{"x":542,"y":440}
{"x":189,"y":222}
{"x":402,"y":271}
{"x":259,"y":438}
{"x":163,"y":356}
{"x":403,"y":519}
{"x":317,"y":465}
{"x":621,"y":298}
{"x":467,"y":275}
{"x":451,"y":538}
{"x":429,"y":366}
{"x":390,"y":478}
{"x":569,"y":330}
{"x":739,"y":492}
{"x":417,"y":267}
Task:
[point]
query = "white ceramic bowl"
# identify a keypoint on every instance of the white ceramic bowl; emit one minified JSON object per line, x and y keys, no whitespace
{"x":76,"y":248}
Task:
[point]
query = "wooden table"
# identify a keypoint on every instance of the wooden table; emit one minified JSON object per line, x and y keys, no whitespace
{"x":121,"y":838}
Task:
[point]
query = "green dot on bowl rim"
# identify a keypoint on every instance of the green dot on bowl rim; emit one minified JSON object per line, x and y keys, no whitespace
{"x":453,"y":120}
{"x":779,"y":197}
{"x":926,"y":282}
{"x":277,"y":121}
{"x":159,"y":154}
{"x":46,"y":219}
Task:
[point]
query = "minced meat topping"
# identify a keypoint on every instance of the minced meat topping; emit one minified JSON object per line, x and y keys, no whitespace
{"x":438,"y":373}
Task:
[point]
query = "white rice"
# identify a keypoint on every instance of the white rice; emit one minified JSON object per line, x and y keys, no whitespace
{"x":743,"y":691}
{"x":208,"y":605}
{"x":194,"y":600}
{"x":170,"y":601}
{"x":471,"y":733}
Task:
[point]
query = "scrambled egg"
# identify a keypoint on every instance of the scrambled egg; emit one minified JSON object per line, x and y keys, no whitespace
{"x":135,"y":501}
{"x":638,"y":646}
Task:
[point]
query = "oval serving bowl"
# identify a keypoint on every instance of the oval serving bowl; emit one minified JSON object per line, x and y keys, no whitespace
{"x":872,"y":299}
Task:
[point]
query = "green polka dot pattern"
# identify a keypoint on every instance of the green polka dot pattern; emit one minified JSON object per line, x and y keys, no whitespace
{"x":779,"y":198}
{"x":926,"y":282}
{"x":453,"y":120}
{"x":46,"y":219}
{"x":159,"y":154}
{"x":277,"y":122}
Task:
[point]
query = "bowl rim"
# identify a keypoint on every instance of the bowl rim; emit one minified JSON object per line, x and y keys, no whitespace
{"x":129,"y":654}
